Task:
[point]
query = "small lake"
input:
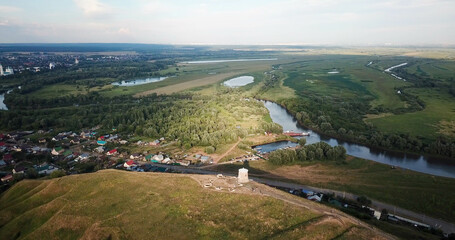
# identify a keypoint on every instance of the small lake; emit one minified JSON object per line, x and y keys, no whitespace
{"x":129,"y":83}
{"x":270,"y":147}
{"x":2,"y":104}
{"x":239,"y":81}
{"x":231,"y":60}
{"x":418,"y":163}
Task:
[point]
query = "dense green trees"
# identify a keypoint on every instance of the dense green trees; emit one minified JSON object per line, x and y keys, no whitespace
{"x":319,"y":151}
{"x":193,"y":120}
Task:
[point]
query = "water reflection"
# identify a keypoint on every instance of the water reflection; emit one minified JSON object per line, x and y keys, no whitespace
{"x":136,"y":82}
{"x":419,"y":163}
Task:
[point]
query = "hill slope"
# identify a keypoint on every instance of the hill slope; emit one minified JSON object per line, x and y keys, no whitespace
{"x":122,"y":205}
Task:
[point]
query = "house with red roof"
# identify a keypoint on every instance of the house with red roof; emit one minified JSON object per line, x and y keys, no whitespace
{"x":112,"y":152}
{"x":7,"y":178}
{"x":129,"y":164}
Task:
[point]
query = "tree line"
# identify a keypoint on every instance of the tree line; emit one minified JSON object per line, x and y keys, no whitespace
{"x":318,"y":151}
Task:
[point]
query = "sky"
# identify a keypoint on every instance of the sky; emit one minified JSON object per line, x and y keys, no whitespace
{"x":230,"y":22}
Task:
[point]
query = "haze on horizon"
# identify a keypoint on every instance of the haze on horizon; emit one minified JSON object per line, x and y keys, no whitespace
{"x":230,"y":22}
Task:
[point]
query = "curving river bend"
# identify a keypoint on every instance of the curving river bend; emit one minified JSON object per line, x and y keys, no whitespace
{"x":419,"y":163}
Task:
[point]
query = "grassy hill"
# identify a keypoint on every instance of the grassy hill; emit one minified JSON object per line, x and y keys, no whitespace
{"x":122,"y":205}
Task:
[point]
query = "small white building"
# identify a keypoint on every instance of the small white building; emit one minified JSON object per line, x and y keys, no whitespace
{"x":243,"y":175}
{"x":99,"y":149}
{"x":51,"y":65}
{"x":8,"y":71}
{"x":158,"y":158}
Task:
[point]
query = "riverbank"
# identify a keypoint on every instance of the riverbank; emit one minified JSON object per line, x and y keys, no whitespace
{"x":350,"y":141}
{"x":430,"y":165}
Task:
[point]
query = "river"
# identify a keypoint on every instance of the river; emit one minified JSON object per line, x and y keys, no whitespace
{"x":424,"y":164}
{"x":2,"y":104}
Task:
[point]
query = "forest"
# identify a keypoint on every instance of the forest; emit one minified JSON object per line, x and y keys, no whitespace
{"x":193,"y":120}
{"x":318,"y":151}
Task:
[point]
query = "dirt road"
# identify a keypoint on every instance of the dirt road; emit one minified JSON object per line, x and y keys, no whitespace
{"x":447,"y":227}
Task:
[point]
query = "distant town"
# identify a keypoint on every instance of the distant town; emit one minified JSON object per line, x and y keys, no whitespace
{"x":14,"y":63}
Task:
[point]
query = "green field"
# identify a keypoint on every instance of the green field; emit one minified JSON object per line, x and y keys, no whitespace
{"x":354,"y":80}
{"x":429,"y":123}
{"x":120,"y":205}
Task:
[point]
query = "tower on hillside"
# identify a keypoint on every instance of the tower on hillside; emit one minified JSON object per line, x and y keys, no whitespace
{"x":243,"y":175}
{"x":1,"y":70}
{"x":76,"y":61}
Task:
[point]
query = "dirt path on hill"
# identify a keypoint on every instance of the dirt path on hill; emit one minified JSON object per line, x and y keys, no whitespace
{"x":227,"y":152}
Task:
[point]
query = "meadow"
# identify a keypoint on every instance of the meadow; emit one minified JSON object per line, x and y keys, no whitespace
{"x":115,"y":204}
{"x":436,"y":119}
{"x":423,"y":193}
{"x":428,"y":123}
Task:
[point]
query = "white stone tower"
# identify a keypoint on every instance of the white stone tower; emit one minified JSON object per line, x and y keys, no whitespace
{"x":1,"y":70}
{"x":243,"y":175}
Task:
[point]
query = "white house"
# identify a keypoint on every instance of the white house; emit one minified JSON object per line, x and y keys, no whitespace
{"x":158,"y":158}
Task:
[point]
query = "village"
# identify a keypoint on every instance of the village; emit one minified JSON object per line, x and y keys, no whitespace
{"x":22,"y":155}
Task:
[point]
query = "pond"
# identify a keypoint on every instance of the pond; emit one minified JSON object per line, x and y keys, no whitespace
{"x":129,"y":83}
{"x":431,"y":165}
{"x":239,"y":81}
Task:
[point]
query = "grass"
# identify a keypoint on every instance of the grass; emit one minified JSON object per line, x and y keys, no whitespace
{"x":381,"y":85}
{"x":189,"y":84}
{"x":423,"y":193}
{"x":440,"y":108}
{"x":123,"y":205}
{"x":436,"y":69}
{"x":277,"y":92}
{"x":189,"y":76}
{"x":310,"y":75}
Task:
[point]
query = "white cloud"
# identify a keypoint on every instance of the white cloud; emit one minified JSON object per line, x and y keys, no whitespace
{"x":158,"y":7}
{"x":93,"y":7}
{"x":4,"y":22}
{"x":6,"y":9}
{"x":124,"y":31}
